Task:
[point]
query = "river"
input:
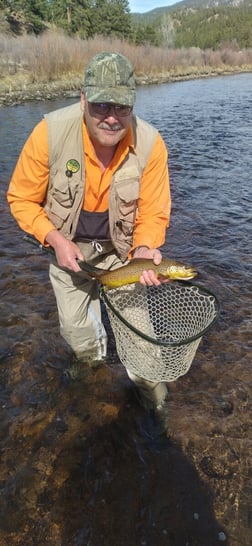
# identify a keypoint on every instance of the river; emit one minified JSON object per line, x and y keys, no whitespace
{"x":81,"y":463}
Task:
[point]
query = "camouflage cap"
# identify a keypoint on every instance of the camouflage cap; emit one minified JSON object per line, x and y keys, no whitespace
{"x":109,"y":77}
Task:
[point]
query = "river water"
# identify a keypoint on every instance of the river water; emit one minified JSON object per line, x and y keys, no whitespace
{"x":81,"y":462}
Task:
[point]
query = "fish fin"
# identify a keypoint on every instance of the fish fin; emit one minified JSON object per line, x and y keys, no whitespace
{"x":163,"y":278}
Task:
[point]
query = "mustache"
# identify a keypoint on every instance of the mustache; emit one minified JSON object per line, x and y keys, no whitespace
{"x":108,"y":127}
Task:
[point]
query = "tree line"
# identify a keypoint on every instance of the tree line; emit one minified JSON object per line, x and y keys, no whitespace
{"x":176,"y":27}
{"x":84,"y":18}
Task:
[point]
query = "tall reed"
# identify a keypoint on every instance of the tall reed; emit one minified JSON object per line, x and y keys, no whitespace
{"x":54,"y":56}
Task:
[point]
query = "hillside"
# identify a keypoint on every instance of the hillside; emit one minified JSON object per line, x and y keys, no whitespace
{"x":186,"y":4}
{"x":199,"y":23}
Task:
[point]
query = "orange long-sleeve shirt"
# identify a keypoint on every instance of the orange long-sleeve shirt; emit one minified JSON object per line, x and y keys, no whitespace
{"x":28,"y":187}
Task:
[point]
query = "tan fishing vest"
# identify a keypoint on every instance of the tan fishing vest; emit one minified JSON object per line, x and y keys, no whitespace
{"x":66,"y":186}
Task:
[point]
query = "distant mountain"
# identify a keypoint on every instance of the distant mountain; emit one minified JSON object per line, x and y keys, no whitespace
{"x":210,"y":3}
{"x":153,"y":14}
{"x":199,"y":23}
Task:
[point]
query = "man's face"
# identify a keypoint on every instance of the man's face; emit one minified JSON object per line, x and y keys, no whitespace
{"x":106,"y":124}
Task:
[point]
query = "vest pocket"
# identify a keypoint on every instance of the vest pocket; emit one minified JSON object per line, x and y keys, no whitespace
{"x":61,"y":198}
{"x":126,"y":205}
{"x":57,"y":213}
{"x":64,"y":189}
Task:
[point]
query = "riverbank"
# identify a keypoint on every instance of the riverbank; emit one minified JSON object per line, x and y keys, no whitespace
{"x":51,"y":65}
{"x":15,"y":91}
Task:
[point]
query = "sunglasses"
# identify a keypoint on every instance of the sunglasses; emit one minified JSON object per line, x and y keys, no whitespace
{"x":104,"y":109}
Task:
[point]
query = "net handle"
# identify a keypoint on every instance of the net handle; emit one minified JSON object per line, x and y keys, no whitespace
{"x":157,"y":341}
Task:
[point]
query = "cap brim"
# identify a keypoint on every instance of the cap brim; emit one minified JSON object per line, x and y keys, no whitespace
{"x":120,"y":95}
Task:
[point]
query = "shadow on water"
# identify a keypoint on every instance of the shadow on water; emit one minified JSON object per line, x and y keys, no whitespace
{"x":85,"y":466}
{"x":139,"y":490}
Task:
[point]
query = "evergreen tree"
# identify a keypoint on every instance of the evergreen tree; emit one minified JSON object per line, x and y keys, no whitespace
{"x":147,"y":34}
{"x":38,"y":8}
{"x":26,"y":14}
{"x":111,"y":17}
{"x":71,"y":15}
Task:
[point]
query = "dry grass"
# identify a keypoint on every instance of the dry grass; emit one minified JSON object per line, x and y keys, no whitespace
{"x":55,"y":57}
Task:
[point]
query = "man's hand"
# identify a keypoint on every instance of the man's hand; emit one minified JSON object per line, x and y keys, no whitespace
{"x":67,"y":253}
{"x":148,"y":276}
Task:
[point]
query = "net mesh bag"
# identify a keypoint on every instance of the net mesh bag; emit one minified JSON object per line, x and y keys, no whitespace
{"x":158,"y":329}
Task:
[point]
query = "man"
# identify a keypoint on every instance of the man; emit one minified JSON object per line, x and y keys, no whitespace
{"x":92,"y":183}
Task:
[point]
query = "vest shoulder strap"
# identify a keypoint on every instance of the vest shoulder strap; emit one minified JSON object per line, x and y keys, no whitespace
{"x":144,"y":138}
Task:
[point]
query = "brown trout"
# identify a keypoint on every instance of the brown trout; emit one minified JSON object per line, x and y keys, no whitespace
{"x":131,"y":273}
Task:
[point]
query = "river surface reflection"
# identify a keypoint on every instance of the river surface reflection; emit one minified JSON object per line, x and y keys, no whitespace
{"x":81,"y":463}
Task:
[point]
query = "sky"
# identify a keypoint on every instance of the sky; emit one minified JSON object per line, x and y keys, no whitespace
{"x":141,"y":6}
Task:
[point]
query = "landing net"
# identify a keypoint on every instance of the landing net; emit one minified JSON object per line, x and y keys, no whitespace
{"x":158,"y":329}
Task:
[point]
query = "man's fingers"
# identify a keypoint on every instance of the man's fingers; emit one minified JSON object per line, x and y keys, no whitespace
{"x":157,"y":257}
{"x":149,"y":278}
